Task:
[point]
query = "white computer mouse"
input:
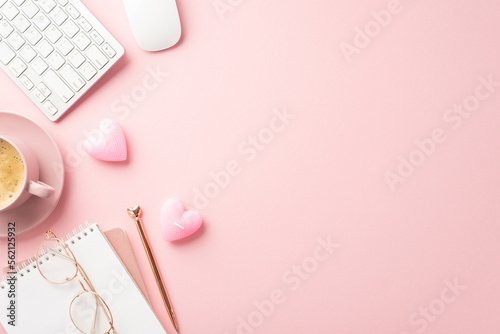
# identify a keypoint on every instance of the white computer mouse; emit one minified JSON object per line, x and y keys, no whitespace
{"x":155,"y":23}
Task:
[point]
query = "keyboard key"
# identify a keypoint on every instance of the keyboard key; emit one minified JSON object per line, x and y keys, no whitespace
{"x":88,"y":71}
{"x":10,"y":11}
{"x":82,"y":41}
{"x":38,"y":95}
{"x":2,"y":2}
{"x":19,"y":2}
{"x":16,"y":41}
{"x":39,"y":66}
{"x":72,"y":78}
{"x":32,"y":35}
{"x":17,"y":67}
{"x":86,"y":26}
{"x":96,"y":37}
{"x":50,"y":107}
{"x":26,"y":82}
{"x":47,"y":5}
{"x":63,"y":2}
{"x":5,"y":29}
{"x":70,"y":28}
{"x":41,"y":21}
{"x":96,"y":57}
{"x":30,"y":9}
{"x":43,"y":89}
{"x":27,"y":53}
{"x":76,"y":58}
{"x":73,"y":12}
{"x":6,"y":53}
{"x":57,"y":86}
{"x":59,"y":16}
{"x":56,"y":60}
{"x":21,"y":23}
{"x":44,"y":48}
{"x":53,"y":34}
{"x":64,"y":46}
{"x":110,"y":52}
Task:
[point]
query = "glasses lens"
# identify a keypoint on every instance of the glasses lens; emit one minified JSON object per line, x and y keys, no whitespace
{"x":56,"y":262}
{"x":90,"y":314}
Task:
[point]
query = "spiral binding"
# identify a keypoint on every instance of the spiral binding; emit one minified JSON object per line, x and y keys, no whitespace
{"x":27,"y":265}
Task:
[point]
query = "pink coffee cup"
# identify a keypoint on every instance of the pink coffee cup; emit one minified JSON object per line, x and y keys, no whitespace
{"x":31,"y":186}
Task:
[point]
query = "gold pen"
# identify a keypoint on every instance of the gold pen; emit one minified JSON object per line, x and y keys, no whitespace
{"x":135,"y":212}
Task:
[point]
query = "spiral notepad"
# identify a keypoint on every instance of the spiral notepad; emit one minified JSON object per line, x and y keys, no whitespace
{"x":42,"y":307}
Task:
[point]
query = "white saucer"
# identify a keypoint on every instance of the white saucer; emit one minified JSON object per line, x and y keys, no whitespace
{"x":35,"y":210}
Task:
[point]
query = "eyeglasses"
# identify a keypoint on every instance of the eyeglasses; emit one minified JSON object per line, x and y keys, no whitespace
{"x":57,"y":264}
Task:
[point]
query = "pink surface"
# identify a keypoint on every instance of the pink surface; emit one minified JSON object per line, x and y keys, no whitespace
{"x":287,"y":122}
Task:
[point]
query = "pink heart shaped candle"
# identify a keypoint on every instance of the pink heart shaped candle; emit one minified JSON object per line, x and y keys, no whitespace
{"x":108,"y":144}
{"x":176,"y":222}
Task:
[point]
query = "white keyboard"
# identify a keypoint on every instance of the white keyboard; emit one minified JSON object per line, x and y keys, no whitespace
{"x":55,"y":50}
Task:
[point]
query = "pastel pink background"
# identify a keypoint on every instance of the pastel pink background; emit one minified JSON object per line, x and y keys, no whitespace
{"x":323,"y":175}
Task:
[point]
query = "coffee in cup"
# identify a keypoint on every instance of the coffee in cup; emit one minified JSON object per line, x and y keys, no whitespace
{"x":19,"y":174}
{"x":12,"y":173}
